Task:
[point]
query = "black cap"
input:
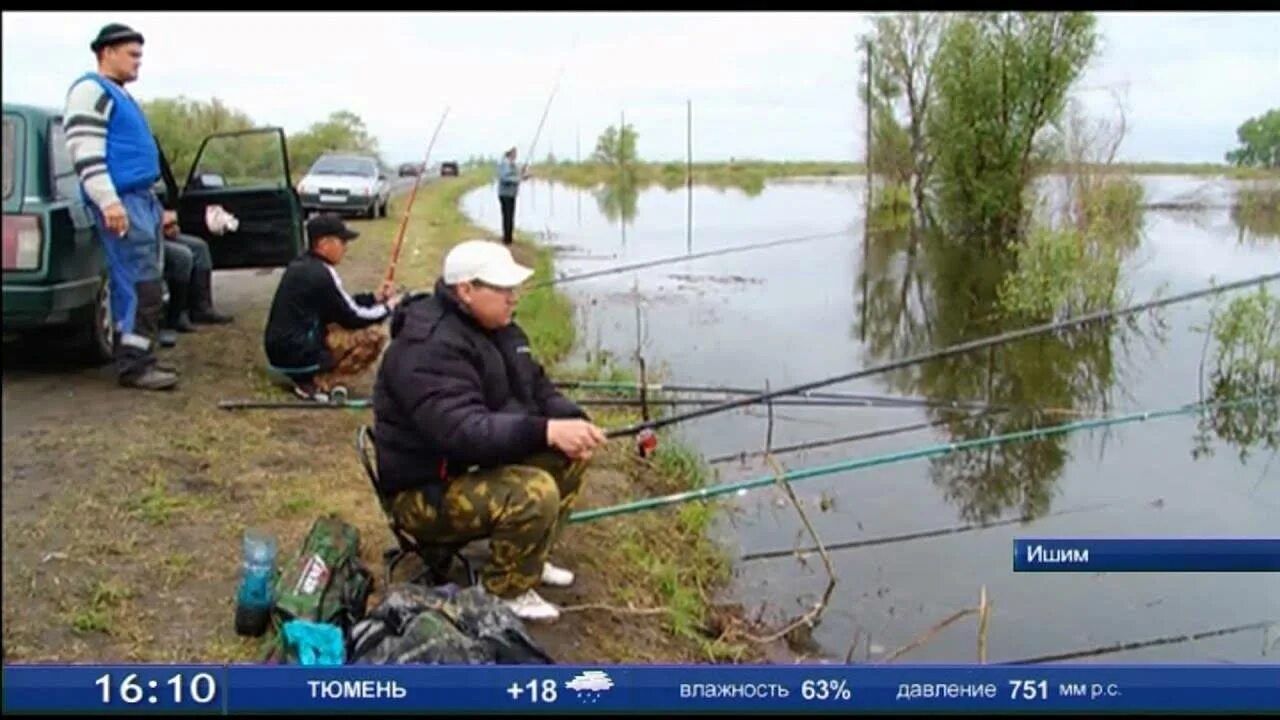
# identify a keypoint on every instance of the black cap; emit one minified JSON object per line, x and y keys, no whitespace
{"x":329,"y":224}
{"x":114,"y":34}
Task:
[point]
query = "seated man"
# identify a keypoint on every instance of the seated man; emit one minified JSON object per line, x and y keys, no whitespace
{"x":178,"y":262}
{"x":199,"y":305}
{"x":317,"y":335}
{"x":472,"y":438}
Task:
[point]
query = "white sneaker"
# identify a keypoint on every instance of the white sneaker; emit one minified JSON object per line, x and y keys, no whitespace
{"x":556,"y":576}
{"x":531,"y":606}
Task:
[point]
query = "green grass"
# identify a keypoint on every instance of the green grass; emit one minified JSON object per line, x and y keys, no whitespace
{"x":547,"y":315}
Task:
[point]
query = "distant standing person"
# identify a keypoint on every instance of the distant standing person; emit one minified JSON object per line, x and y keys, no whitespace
{"x":509,"y":178}
{"x":117,"y":160}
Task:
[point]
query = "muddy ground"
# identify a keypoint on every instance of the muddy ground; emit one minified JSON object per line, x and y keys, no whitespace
{"x":123,"y":510}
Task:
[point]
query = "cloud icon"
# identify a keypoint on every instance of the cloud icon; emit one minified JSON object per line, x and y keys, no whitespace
{"x":591,"y":681}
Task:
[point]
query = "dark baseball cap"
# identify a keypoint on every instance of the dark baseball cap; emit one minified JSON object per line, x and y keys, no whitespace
{"x":114,"y":34}
{"x":329,"y":224}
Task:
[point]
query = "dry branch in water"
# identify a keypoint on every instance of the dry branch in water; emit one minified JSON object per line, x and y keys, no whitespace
{"x":928,"y":634}
{"x":810,"y":618}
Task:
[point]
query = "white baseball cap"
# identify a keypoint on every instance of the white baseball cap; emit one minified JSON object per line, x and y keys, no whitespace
{"x":484,"y":260}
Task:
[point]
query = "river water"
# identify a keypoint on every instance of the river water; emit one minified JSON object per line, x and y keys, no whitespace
{"x":804,"y":311}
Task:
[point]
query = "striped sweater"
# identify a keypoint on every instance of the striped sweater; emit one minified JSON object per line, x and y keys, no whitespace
{"x":85,"y":122}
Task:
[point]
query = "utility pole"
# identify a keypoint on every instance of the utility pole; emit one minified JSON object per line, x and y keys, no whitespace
{"x":689,"y":176}
{"x":866,"y":220}
{"x":868,"y":104}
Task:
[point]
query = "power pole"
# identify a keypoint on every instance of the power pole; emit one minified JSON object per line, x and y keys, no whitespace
{"x":689,"y":175}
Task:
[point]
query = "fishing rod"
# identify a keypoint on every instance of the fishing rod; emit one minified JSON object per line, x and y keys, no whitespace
{"x":841,"y":440}
{"x":404,"y":219}
{"x":1139,"y":644}
{"x":546,"y":109}
{"x":854,"y":398}
{"x":682,"y":258}
{"x":946,"y":352}
{"x":920,"y":535}
{"x":785,"y":402}
{"x":905,"y":455}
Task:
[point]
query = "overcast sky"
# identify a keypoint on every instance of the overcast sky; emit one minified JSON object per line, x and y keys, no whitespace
{"x":765,"y":85}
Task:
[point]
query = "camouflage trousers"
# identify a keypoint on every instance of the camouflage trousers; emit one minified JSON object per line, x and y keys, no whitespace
{"x":520,"y":508}
{"x":353,"y":351}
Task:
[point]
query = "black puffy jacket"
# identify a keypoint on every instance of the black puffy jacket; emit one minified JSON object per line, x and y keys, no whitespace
{"x":451,"y":395}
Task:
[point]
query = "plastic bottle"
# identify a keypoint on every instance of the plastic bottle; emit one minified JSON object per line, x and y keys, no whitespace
{"x":257,"y":583}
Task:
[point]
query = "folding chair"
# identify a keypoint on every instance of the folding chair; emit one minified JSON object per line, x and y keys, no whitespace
{"x":436,"y":558}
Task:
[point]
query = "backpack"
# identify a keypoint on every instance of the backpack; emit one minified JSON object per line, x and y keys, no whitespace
{"x":442,"y":625}
{"x":324,"y":582}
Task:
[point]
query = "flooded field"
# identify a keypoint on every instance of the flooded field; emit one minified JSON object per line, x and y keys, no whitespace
{"x":809,"y":310}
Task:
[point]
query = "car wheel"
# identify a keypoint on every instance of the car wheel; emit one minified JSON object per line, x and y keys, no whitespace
{"x":95,"y":340}
{"x":372,"y":212}
{"x":382,"y":211}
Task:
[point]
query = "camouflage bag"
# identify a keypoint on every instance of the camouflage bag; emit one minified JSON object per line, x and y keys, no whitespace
{"x":324,"y":582}
{"x":442,"y":625}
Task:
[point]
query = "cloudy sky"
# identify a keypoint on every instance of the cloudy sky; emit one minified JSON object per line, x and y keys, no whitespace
{"x":765,"y":85}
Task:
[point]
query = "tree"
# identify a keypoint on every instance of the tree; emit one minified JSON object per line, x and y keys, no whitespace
{"x":616,"y":148}
{"x":1001,"y":78}
{"x":1259,"y":142}
{"x":181,"y":124}
{"x":904,"y":48}
{"x":343,"y":131}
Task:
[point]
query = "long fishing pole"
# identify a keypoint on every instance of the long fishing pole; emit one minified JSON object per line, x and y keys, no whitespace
{"x":919,"y":535}
{"x":546,"y":109}
{"x":1139,"y":644}
{"x":682,"y":258}
{"x":867,"y":399}
{"x":785,"y":402}
{"x":905,"y":455}
{"x":404,"y":219}
{"x":732,"y":390}
{"x":841,"y":440}
{"x":946,"y":352}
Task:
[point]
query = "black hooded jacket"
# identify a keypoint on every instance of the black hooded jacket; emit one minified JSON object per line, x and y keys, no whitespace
{"x":451,"y":395}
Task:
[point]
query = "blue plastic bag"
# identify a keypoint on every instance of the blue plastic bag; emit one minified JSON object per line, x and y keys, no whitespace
{"x":315,"y":643}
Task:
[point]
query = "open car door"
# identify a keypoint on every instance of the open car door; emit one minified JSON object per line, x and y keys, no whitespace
{"x":247,"y":174}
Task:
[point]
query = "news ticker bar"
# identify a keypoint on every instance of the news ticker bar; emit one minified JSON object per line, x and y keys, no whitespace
{"x":232,"y":690}
{"x":1146,"y":555}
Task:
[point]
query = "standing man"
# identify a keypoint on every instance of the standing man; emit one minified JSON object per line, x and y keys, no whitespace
{"x":117,"y":160}
{"x":509,"y":178}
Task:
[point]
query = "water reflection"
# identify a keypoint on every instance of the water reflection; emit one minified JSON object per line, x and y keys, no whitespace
{"x":925,"y":291}
{"x":617,"y":197}
{"x":1256,"y":213}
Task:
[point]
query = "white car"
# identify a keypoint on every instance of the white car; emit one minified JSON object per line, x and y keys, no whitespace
{"x":346,"y":184}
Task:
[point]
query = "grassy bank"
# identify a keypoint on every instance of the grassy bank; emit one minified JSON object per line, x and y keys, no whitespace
{"x":124,"y":511}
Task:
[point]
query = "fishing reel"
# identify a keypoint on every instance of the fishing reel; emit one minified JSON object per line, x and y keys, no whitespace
{"x":646,"y":443}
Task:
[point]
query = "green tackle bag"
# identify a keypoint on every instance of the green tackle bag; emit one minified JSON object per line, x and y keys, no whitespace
{"x":324,"y":582}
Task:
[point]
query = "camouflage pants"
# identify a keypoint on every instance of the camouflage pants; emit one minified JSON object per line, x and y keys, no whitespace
{"x":520,"y":508}
{"x":353,"y":352}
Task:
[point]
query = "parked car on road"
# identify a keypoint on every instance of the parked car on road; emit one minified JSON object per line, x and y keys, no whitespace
{"x":448,"y":168}
{"x":409,"y":170}
{"x":346,"y":184}
{"x":54,"y":270}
